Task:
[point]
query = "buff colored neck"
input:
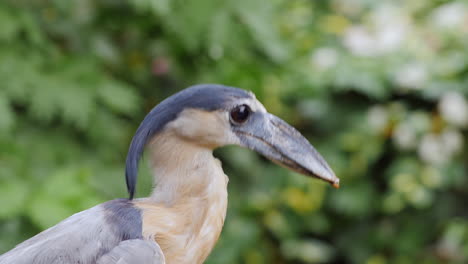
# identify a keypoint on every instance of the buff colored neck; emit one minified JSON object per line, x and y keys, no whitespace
{"x":183,"y":170}
{"x":186,"y":210}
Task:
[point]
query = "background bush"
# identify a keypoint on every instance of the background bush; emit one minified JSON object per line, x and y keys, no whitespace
{"x":379,"y":87}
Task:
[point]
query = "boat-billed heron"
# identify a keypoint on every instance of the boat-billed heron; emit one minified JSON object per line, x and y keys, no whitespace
{"x":180,"y":222}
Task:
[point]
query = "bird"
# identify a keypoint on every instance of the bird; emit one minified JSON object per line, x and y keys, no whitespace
{"x":182,"y":218}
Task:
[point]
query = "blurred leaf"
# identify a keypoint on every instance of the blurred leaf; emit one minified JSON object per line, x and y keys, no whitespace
{"x":15,"y":192}
{"x":258,"y":20}
{"x":59,"y":197}
{"x":357,"y":200}
{"x":9,"y":25}
{"x":6,"y":115}
{"x":120,"y":98}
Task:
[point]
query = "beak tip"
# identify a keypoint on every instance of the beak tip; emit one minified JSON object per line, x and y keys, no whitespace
{"x":330,"y":177}
{"x":336,"y":183}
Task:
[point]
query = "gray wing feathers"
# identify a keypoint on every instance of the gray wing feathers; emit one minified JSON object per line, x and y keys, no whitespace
{"x":81,"y":238}
{"x":73,"y":240}
{"x":135,"y":251}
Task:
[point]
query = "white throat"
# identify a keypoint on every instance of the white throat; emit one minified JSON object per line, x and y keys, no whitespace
{"x":183,"y":170}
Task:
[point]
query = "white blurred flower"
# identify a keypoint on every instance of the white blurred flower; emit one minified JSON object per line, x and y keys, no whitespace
{"x":412,"y":76}
{"x":377,"y":117}
{"x":431,"y":150}
{"x":453,"y":141}
{"x":389,"y":38}
{"x":360,"y":41}
{"x":391,"y":26}
{"x":454,"y":109}
{"x":450,"y":15}
{"x":404,"y":136}
{"x":407,"y":133}
{"x":325,"y":58}
{"x":439,"y":149}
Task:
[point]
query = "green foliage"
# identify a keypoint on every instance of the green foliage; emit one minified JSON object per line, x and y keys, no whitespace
{"x":379,"y":87}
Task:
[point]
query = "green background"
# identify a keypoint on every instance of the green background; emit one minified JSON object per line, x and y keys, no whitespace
{"x":379,"y":87}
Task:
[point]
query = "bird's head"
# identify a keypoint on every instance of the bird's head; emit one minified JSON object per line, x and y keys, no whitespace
{"x":215,"y":115}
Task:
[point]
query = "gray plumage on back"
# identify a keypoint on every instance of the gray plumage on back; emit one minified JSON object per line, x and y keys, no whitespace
{"x":82,"y":238}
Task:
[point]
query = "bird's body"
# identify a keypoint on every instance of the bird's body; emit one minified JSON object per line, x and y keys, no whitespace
{"x":184,"y":215}
{"x":182,"y":219}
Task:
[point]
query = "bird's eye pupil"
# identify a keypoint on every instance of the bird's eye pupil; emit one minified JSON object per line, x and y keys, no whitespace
{"x":240,"y":114}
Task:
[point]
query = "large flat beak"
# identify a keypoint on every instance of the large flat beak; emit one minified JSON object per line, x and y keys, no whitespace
{"x":283,"y":144}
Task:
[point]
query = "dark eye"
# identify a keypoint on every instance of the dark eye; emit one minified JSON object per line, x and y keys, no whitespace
{"x":240,"y":114}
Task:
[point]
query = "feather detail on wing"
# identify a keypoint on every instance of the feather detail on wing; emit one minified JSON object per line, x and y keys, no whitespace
{"x":134,"y":251}
{"x":82,"y":238}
